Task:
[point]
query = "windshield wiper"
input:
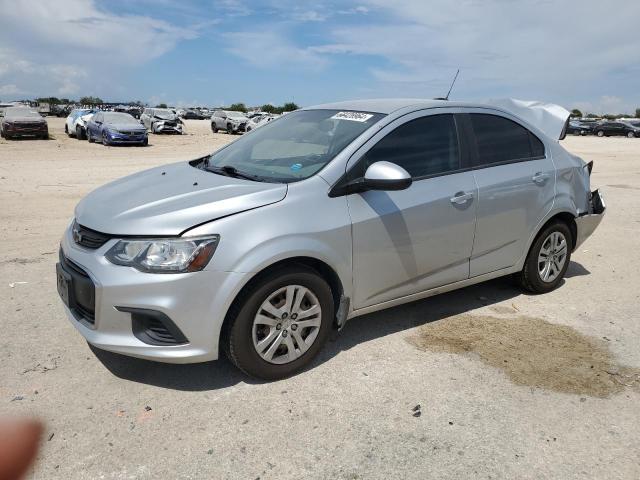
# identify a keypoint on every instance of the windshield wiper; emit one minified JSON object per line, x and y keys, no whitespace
{"x":231,"y":171}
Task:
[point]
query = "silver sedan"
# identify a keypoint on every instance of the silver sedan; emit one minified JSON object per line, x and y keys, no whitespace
{"x":263,"y":247}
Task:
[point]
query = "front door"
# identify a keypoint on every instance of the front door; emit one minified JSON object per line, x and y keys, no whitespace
{"x":408,"y":241}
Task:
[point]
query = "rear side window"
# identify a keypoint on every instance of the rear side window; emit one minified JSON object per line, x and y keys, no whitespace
{"x":501,"y":140}
{"x":424,"y":146}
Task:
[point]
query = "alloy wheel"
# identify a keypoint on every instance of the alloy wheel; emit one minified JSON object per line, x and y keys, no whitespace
{"x":286,"y":324}
{"x":552,"y":257}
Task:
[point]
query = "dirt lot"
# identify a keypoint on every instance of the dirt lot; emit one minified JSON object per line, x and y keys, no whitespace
{"x":509,"y":385}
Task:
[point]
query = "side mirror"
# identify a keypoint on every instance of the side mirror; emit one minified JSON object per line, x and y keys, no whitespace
{"x":386,"y":176}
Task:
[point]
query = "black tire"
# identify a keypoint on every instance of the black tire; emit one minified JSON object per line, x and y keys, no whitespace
{"x":214,"y":128}
{"x":105,"y":142}
{"x":1,"y":133}
{"x":80,"y":133}
{"x":66,"y":130}
{"x":529,"y":278}
{"x":89,"y":136}
{"x":631,"y":135}
{"x":237,"y":336}
{"x":229,"y":129}
{"x":600,"y":133}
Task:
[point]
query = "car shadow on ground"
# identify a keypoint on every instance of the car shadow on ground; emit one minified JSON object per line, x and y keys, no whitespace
{"x":221,"y":373}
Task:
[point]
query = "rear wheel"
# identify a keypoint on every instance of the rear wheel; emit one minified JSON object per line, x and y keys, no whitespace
{"x":548,"y":259}
{"x":631,"y":135}
{"x":600,"y":133}
{"x":280,"y":325}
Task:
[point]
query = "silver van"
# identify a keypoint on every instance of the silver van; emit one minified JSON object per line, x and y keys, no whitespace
{"x":327,"y":213}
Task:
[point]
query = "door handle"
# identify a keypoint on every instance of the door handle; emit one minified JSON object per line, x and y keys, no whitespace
{"x":540,"y":178}
{"x":461,"y":198}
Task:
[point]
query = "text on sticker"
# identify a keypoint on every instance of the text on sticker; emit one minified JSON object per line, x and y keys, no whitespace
{"x":353,"y":116}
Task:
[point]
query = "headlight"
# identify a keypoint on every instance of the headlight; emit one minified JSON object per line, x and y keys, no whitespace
{"x":164,"y":255}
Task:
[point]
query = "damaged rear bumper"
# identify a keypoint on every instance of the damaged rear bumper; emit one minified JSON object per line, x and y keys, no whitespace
{"x":589,"y":221}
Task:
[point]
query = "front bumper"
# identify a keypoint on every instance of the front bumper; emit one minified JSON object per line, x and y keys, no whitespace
{"x":163,"y":127}
{"x":18,"y":130}
{"x":123,"y":138}
{"x":195,"y":303}
{"x":589,"y":221}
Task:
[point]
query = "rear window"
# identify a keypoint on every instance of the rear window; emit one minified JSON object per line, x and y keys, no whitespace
{"x":500,"y":140}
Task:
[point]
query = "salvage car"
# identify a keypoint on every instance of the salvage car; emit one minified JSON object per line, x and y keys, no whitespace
{"x":116,"y":128}
{"x":611,"y":129}
{"x":22,"y":122}
{"x":230,"y":121}
{"x":161,"y":120}
{"x":335,"y":211}
{"x":259,"y":121}
{"x":76,"y":123}
{"x":578,"y":128}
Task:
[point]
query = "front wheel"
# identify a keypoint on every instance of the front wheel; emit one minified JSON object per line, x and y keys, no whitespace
{"x":79,"y":133}
{"x":548,"y":259}
{"x":279,"y":326}
{"x":631,"y":135}
{"x":105,"y":140}
{"x":214,"y":128}
{"x":600,"y":133}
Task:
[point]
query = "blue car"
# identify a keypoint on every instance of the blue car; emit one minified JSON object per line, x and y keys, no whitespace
{"x":113,"y":128}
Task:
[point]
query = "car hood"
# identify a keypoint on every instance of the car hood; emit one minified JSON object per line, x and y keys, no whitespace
{"x":171,"y":199}
{"x":25,"y":119}
{"x":125,"y":126}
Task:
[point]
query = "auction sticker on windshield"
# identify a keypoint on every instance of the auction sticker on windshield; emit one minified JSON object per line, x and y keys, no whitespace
{"x":353,"y":116}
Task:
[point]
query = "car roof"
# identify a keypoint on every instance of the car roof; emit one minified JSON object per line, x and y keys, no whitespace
{"x":381,"y":105}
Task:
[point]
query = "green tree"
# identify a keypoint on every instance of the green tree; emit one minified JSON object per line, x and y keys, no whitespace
{"x":268,"y":108}
{"x":289,"y":107}
{"x":161,"y":105}
{"x":238,"y":107}
{"x":91,"y":100}
{"x":576,"y":113}
{"x":637,"y":112}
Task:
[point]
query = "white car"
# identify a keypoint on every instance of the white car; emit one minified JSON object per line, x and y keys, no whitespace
{"x":259,"y":120}
{"x":76,"y":123}
{"x":228,"y":120}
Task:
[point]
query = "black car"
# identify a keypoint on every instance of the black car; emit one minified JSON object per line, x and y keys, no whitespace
{"x":193,"y":115}
{"x":608,"y":129}
{"x":578,"y":128}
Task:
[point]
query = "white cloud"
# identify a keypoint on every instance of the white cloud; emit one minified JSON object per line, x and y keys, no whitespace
{"x":266,"y":49}
{"x":56,"y":46}
{"x":544,"y":49}
{"x":9,"y":89}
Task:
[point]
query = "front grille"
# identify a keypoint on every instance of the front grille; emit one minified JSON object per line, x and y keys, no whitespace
{"x":87,"y":238}
{"x":28,"y":126}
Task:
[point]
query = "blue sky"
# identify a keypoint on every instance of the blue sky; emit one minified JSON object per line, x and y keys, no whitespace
{"x":192,"y":52}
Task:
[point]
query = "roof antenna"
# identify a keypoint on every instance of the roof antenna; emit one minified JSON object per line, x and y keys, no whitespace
{"x":450,"y":88}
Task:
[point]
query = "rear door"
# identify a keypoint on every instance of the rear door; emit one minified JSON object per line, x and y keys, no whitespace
{"x":409,"y":241}
{"x":516,"y":187}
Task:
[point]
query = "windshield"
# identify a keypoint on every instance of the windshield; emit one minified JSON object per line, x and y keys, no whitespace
{"x":295,"y":146}
{"x":233,"y":114}
{"x":116,"y":117}
{"x":635,"y":124}
{"x":163,"y":113}
{"x":20,"y":112}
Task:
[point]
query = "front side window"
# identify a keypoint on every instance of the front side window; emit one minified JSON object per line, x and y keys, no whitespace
{"x":501,"y":140}
{"x":295,"y":147}
{"x":423,"y":147}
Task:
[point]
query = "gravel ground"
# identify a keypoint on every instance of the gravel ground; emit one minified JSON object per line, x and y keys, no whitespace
{"x":354,"y":414}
